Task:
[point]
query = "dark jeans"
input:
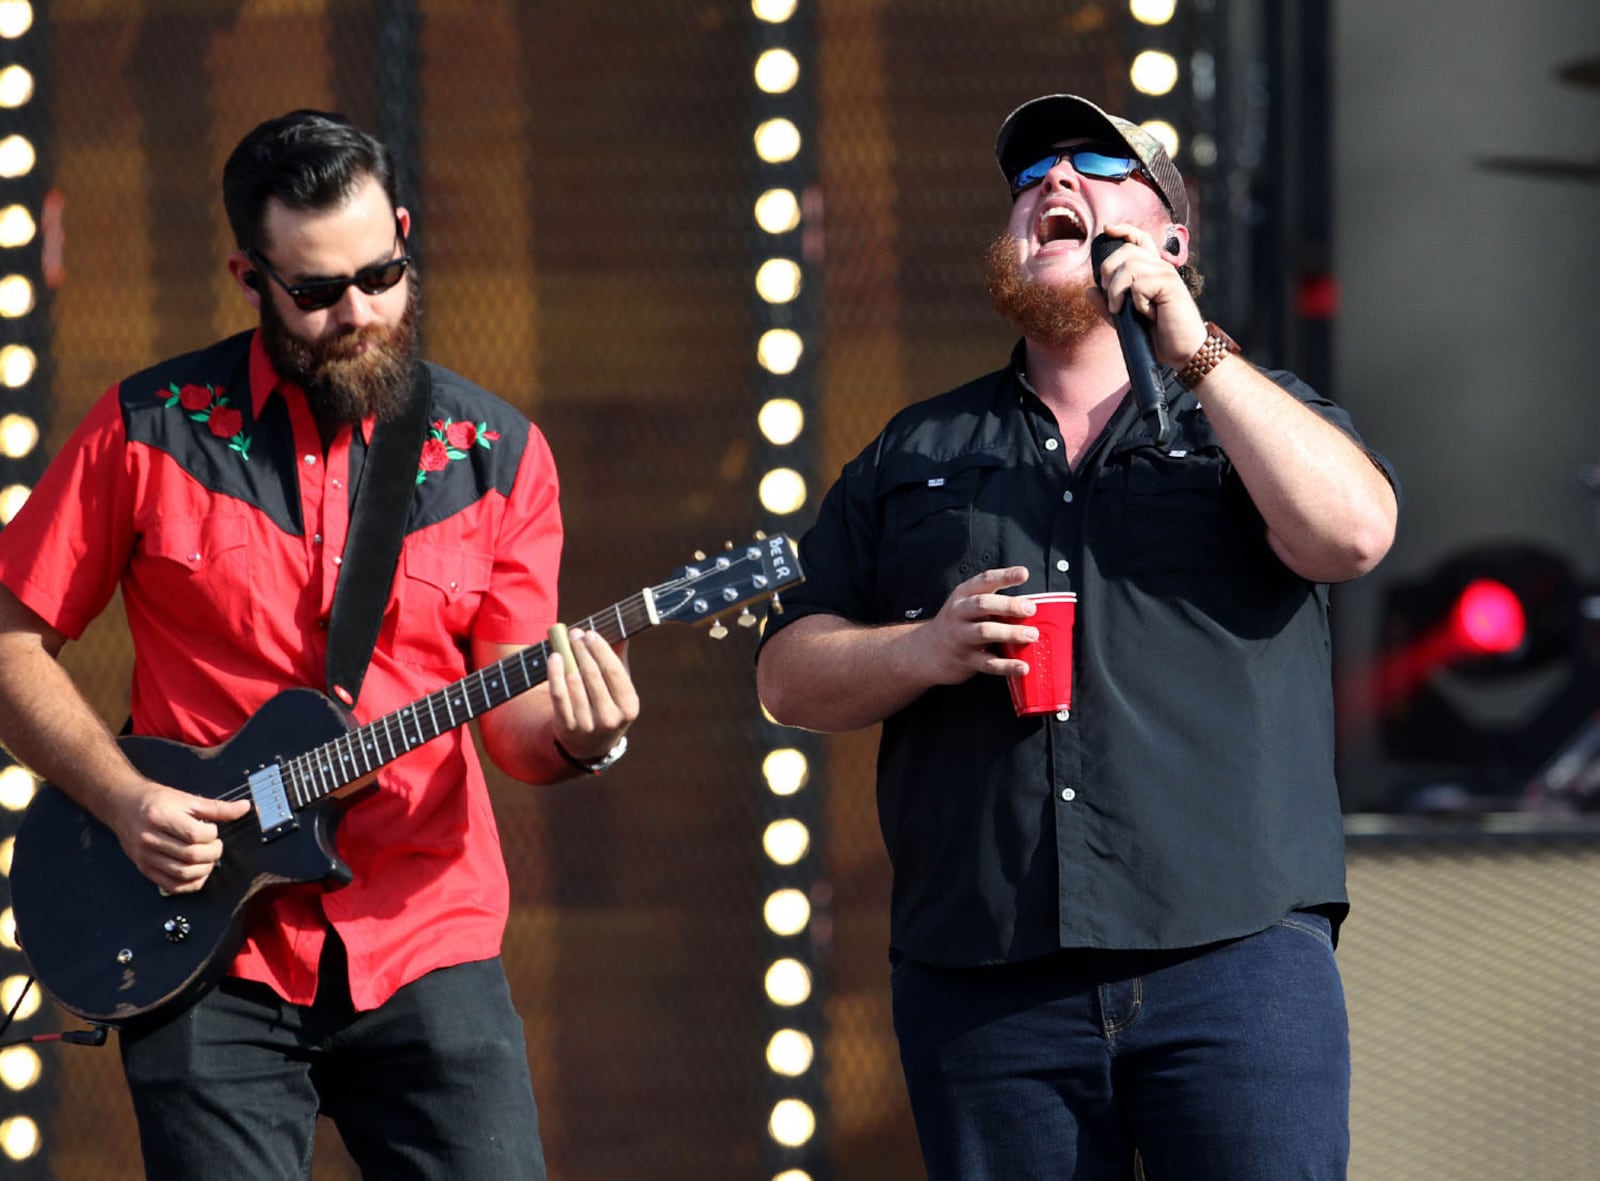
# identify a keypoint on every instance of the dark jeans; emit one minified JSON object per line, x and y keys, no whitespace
{"x":434,"y":1084}
{"x":1225,"y":1063}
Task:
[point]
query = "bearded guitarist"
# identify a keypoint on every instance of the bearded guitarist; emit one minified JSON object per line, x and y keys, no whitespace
{"x":217,"y":491}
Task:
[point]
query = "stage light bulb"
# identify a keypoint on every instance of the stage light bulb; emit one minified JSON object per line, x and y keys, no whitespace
{"x":12,"y":498}
{"x":786,"y":770}
{"x":782,"y":491}
{"x":781,"y":420}
{"x":790,"y":1053}
{"x":19,"y":435}
{"x":1152,"y":12}
{"x":779,"y":350}
{"x":19,"y":1137}
{"x":793,"y":1175}
{"x":12,"y":988}
{"x":17,"y":156}
{"x":17,"y":786}
{"x":777,"y":211}
{"x":787,"y":911}
{"x":16,"y":296}
{"x":1489,"y":619}
{"x":1154,"y":72}
{"x":20,"y":1067}
{"x":777,"y":70}
{"x":16,"y":18}
{"x":788,"y":983}
{"x":1165,"y":133}
{"x":777,"y":141}
{"x":17,"y":226}
{"x":774,"y":12}
{"x":17,"y":365}
{"x":786,"y":841}
{"x":8,"y":930}
{"x":778,"y":280}
{"x":792,"y":1122}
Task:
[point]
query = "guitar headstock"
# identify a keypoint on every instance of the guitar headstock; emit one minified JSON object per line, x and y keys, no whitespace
{"x":711,"y":586}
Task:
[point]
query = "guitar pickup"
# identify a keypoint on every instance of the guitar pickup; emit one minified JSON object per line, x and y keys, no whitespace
{"x":272,"y":802}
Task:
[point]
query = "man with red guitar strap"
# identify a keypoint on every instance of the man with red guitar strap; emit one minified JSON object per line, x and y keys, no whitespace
{"x":215,"y":490}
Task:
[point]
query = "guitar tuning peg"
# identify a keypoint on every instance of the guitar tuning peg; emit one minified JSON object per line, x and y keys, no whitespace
{"x":746,"y":618}
{"x":761,"y":534}
{"x":777,"y":604}
{"x":718,"y":630}
{"x":699,"y":555}
{"x":727,"y":545}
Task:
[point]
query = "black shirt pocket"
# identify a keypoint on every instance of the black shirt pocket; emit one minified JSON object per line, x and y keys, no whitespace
{"x":1179,"y":513}
{"x":928,"y":509}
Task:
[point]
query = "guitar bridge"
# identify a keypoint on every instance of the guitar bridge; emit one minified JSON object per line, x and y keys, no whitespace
{"x":272,"y":802}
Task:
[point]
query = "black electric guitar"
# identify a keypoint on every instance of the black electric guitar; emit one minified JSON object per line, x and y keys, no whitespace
{"x":111,"y":947}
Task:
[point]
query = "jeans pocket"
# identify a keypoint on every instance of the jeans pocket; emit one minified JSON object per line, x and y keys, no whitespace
{"x":1309,"y":922}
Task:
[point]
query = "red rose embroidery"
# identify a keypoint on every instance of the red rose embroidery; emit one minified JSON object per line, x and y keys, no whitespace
{"x":194,"y":397}
{"x":435,"y":456}
{"x":461,"y":435}
{"x":225,"y":422}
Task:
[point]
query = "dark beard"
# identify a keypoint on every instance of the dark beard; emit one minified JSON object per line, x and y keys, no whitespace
{"x":1054,"y":316}
{"x":342,"y":386}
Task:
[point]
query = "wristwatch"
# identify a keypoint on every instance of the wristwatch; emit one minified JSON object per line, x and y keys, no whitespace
{"x":594,"y":766}
{"x":1206,"y":358}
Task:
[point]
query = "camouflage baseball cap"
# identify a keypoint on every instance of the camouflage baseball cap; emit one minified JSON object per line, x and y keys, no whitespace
{"x":1031,"y":129}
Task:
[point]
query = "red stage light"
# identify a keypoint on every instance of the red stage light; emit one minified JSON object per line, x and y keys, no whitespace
{"x":1488,"y":619}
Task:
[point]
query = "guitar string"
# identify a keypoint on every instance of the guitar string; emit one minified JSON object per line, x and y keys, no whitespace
{"x":302,"y":766}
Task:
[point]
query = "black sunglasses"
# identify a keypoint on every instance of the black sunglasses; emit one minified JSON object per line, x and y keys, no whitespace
{"x":1096,"y":160}
{"x":324,"y":293}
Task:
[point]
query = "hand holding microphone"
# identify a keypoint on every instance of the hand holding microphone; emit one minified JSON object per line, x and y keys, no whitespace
{"x":1134,"y":336}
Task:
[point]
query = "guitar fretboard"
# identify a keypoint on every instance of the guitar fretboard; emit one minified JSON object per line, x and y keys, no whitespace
{"x":321,"y":772}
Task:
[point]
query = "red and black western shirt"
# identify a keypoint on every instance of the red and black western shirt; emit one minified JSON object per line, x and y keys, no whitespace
{"x":200,"y":488}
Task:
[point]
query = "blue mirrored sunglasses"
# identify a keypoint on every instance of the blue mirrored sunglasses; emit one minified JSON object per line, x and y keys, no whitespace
{"x":1094,"y":160}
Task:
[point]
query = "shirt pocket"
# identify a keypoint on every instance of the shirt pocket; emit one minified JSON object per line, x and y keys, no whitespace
{"x":200,"y":567}
{"x":1181,"y":513}
{"x":931,"y":520}
{"x":438,"y":590}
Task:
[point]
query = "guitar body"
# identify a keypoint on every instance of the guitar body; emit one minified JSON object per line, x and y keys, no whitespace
{"x":102,"y":938}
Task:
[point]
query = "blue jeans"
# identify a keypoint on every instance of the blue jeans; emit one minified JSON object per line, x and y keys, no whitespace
{"x":432,"y":1084}
{"x":1228,"y":1062}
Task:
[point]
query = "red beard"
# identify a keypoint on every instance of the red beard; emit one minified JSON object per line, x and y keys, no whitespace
{"x":1054,"y":316}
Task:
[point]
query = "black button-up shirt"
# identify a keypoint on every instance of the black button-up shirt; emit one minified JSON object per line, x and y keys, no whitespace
{"x":1189,"y":796}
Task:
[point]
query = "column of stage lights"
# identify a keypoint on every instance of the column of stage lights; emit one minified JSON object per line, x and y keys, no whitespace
{"x":1154,"y":70}
{"x":26,"y":252}
{"x":786,"y":235}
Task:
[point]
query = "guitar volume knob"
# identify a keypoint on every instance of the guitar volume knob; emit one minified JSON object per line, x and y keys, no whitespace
{"x":177,"y":928}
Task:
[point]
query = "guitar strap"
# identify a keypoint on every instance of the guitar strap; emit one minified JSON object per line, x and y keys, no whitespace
{"x":377,"y":528}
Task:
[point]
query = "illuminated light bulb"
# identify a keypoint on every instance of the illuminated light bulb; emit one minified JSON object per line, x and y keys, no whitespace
{"x":1488,"y":619}
{"x":788,"y":983}
{"x":782,"y":491}
{"x":778,"y":280}
{"x":779,"y":350}
{"x":17,"y":786}
{"x":19,"y":1137}
{"x":786,"y":841}
{"x":12,"y":498}
{"x":781,"y":420}
{"x":774,"y":12}
{"x":1165,"y":133}
{"x":792,"y":1122}
{"x":17,"y":226}
{"x":1152,"y":12}
{"x":17,"y":156}
{"x":777,"y":141}
{"x":777,"y":211}
{"x":20,"y":1067}
{"x":19,"y":435}
{"x":16,"y":296}
{"x":17,"y":365}
{"x":8,"y":930}
{"x":11,"y":988}
{"x":6,"y":847}
{"x":786,"y":770}
{"x":16,"y":87}
{"x":16,"y":18}
{"x":790,"y":1052}
{"x":1154,"y":72}
{"x":777,"y":70}
{"x":787,"y":911}
{"x":793,"y":1175}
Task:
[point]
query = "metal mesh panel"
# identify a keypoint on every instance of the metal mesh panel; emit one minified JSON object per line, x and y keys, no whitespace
{"x":1471,"y":972}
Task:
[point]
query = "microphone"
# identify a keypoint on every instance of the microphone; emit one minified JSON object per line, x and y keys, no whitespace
{"x":1143,"y":372}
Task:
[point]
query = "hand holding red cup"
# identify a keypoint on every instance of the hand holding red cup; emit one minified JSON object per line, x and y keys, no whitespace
{"x":1046,"y":688}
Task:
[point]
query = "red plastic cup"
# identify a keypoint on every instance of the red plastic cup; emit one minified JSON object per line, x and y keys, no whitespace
{"x":1047,"y":686}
